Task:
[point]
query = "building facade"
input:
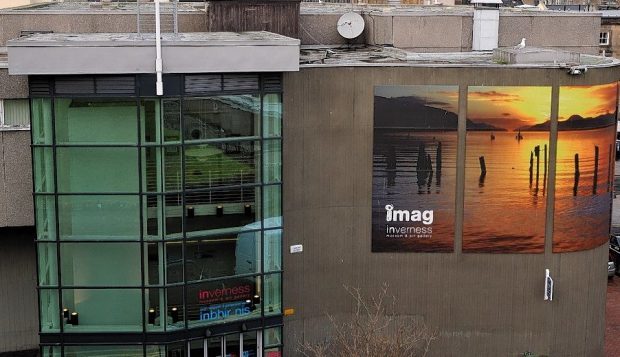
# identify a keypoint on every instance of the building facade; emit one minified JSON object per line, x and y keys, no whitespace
{"x":224,"y":216}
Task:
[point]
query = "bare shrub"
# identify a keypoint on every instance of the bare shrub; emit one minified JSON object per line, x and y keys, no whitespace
{"x":374,"y":329}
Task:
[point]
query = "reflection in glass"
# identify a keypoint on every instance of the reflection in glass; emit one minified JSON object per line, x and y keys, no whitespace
{"x":272,"y":295}
{"x":272,"y":161}
{"x":100,"y":264}
{"x":233,"y":347}
{"x":272,"y":245}
{"x":45,"y":214}
{"x":103,"y":310}
{"x":221,"y":164}
{"x":221,"y":117}
{"x":48,"y":306}
{"x":222,"y":256}
{"x":96,"y":169}
{"x":172,"y":120}
{"x":82,"y":121}
{"x":48,"y":270}
{"x":272,"y":206}
{"x":221,"y":211}
{"x":90,"y":217}
{"x":230,"y":299}
{"x":174,"y":308}
{"x":272,"y":115}
{"x":150,"y":121}
{"x":103,"y":351}
{"x":43,"y":169}
{"x":41,"y":114}
{"x":155,"y":300}
{"x":214,"y":347}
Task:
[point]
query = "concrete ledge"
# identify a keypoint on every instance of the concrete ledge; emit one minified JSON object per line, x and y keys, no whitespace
{"x":130,"y":53}
{"x":535,"y":55}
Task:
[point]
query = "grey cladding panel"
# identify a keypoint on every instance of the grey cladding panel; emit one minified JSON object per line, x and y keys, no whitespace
{"x":72,"y":85}
{"x":203,"y":83}
{"x":272,"y":82}
{"x":115,"y":85}
{"x":40,"y":86}
{"x":241,"y":82}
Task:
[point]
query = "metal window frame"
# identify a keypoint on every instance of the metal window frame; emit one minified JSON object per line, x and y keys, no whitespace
{"x":146,"y":337}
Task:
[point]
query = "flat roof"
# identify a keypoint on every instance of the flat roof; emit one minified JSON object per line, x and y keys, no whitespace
{"x":313,"y":56}
{"x":196,"y":52}
{"x":314,"y":8}
{"x":90,"y":7}
{"x":255,"y":38}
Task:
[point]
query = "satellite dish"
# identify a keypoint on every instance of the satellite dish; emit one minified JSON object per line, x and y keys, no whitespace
{"x":350,"y":25}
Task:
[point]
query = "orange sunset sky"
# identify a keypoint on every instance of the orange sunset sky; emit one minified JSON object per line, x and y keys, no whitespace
{"x":511,"y":107}
{"x":587,"y":101}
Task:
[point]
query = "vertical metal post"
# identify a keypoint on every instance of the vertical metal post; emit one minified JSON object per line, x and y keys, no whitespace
{"x":138,"y":18}
{"x":175,"y":13}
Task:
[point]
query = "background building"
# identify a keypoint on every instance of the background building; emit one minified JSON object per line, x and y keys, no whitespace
{"x":256,"y":145}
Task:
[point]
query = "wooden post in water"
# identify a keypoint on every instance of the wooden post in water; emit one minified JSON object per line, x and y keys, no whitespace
{"x":576,"y":184}
{"x":609,"y":163}
{"x":438,"y":158}
{"x":545,"y":171}
{"x":537,"y":154}
{"x":438,"y":164}
{"x":531,"y":166}
{"x":483,"y":165}
{"x":483,"y":171}
{"x":430,"y":169}
{"x":595,"y":179}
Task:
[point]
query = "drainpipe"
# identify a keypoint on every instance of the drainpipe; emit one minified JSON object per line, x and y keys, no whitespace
{"x":158,"y":63}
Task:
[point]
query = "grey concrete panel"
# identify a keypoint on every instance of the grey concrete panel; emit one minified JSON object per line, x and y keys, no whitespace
{"x":11,"y":24}
{"x":127,"y":53}
{"x":19,"y":311}
{"x":230,"y":59}
{"x":379,"y":30}
{"x":541,"y":31}
{"x":13,"y":87}
{"x":481,"y":304}
{"x":4,"y":203}
{"x":322,"y":29}
{"x":427,"y":31}
{"x":18,"y":178}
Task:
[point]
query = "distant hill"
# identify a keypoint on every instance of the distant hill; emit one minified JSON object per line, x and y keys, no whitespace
{"x":411,"y":112}
{"x":576,"y":122}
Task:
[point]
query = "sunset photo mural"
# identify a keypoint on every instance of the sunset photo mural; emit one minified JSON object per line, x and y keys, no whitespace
{"x":585,"y":160}
{"x":506,"y":169}
{"x":414,"y":168}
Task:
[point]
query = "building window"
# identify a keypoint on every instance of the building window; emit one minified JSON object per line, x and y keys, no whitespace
{"x":14,"y":114}
{"x":603,"y":39}
{"x":157,"y":214}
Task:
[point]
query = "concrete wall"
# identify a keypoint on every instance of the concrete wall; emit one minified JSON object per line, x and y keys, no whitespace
{"x":13,"y":22}
{"x":451,"y":31}
{"x":577,"y":32}
{"x":19,"y":324}
{"x":480,"y":304}
{"x":16,"y":206}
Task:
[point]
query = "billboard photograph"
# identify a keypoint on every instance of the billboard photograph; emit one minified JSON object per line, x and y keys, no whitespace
{"x":584,"y":170}
{"x":414,"y":168}
{"x":506,"y":169}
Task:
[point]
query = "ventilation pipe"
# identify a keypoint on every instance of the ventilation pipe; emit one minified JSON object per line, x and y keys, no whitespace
{"x":158,"y":63}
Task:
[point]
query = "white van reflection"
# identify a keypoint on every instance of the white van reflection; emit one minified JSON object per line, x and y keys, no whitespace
{"x":247,"y":252}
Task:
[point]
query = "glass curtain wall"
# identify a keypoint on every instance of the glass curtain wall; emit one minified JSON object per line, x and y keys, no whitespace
{"x":157,"y":214}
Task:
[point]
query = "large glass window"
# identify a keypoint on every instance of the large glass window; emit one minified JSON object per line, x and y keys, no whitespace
{"x":151,"y":216}
{"x":224,"y":116}
{"x":101,"y":121}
